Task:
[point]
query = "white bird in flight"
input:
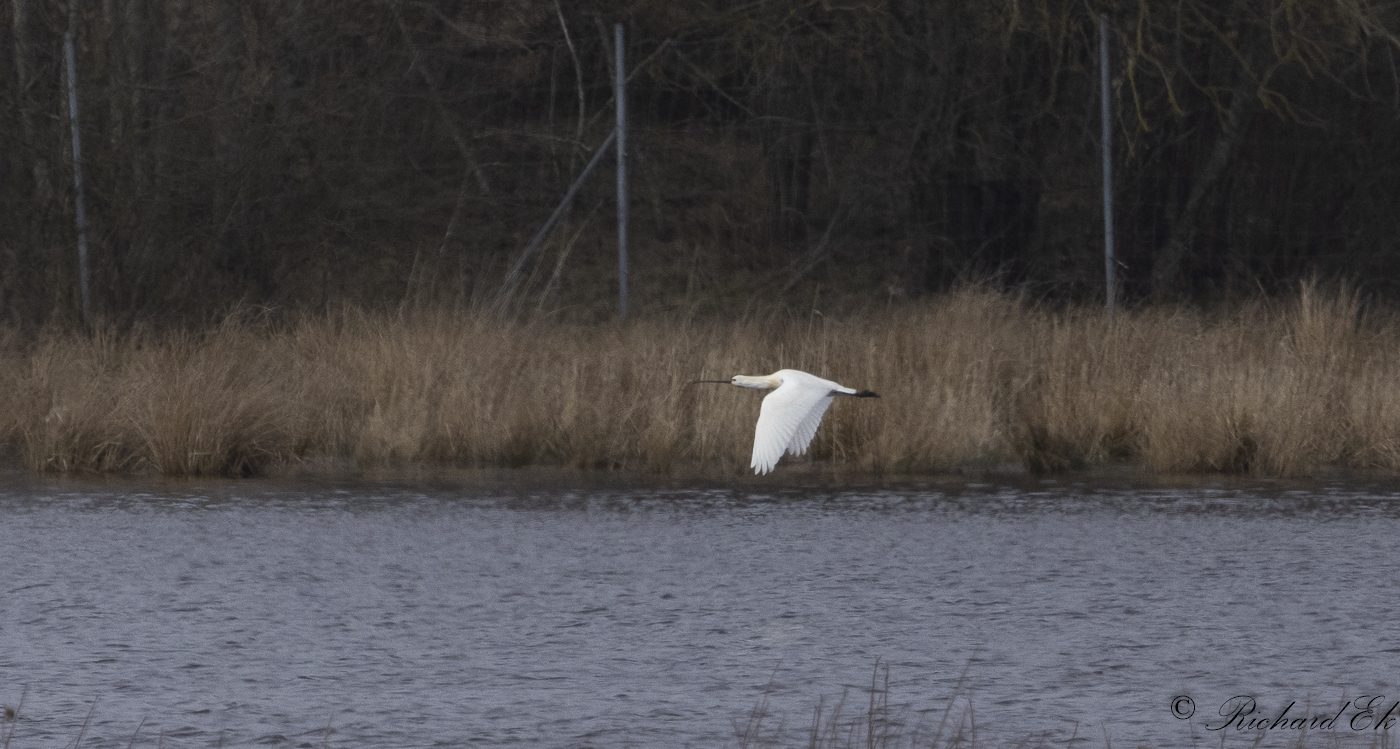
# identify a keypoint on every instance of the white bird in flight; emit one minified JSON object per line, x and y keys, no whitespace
{"x":789,"y":416}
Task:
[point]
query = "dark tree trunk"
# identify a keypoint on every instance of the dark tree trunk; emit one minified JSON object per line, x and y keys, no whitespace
{"x":1166,"y":267}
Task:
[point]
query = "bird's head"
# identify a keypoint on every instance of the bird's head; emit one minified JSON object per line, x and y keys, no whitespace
{"x":767,"y":382}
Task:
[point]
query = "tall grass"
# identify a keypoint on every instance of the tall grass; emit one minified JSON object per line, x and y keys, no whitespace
{"x":970,"y":380}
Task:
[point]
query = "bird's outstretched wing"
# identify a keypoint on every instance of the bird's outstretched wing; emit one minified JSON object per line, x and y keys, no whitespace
{"x":787,"y":421}
{"x":808,"y":428}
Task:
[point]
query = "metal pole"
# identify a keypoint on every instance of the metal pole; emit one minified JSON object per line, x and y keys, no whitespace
{"x":621,"y":95}
{"x":78,"y":176}
{"x":1107,"y":124}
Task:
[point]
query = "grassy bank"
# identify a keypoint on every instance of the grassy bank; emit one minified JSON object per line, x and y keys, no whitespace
{"x":969,"y":380}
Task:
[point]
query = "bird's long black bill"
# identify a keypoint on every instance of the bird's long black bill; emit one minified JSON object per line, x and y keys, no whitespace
{"x":867,"y":394}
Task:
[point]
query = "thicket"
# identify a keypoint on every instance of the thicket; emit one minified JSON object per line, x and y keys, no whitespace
{"x":308,"y":154}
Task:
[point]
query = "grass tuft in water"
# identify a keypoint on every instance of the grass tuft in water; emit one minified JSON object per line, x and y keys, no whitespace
{"x":877,"y":725}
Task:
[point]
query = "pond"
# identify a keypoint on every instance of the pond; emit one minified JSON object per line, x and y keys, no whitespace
{"x":441,"y":613}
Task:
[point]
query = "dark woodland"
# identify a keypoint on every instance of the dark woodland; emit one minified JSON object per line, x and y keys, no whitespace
{"x":303,"y":154}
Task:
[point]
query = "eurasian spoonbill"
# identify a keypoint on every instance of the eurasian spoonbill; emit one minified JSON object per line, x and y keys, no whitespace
{"x":789,"y":416}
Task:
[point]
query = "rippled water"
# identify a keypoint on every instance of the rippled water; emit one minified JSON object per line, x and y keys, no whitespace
{"x":399,"y":615}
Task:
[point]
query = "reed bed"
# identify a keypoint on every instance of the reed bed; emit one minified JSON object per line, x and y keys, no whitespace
{"x":971,"y":381}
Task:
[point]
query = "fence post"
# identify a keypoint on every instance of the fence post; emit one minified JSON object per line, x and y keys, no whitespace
{"x":1107,"y":127}
{"x":621,"y":148}
{"x":78,"y":177}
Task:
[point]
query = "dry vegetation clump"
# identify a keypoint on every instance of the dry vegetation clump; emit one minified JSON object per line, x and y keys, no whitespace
{"x":181,"y":405}
{"x":971,"y":380}
{"x":1276,"y":389}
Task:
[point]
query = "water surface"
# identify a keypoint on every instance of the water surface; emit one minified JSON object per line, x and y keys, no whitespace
{"x":407,"y":614}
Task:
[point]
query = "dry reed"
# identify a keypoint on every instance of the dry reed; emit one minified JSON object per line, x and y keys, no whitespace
{"x":970,"y":381}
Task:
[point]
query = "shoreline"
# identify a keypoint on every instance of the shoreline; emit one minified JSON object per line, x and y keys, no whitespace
{"x":813,"y":480}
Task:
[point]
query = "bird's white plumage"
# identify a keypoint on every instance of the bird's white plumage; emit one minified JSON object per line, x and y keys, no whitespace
{"x":790,"y":415}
